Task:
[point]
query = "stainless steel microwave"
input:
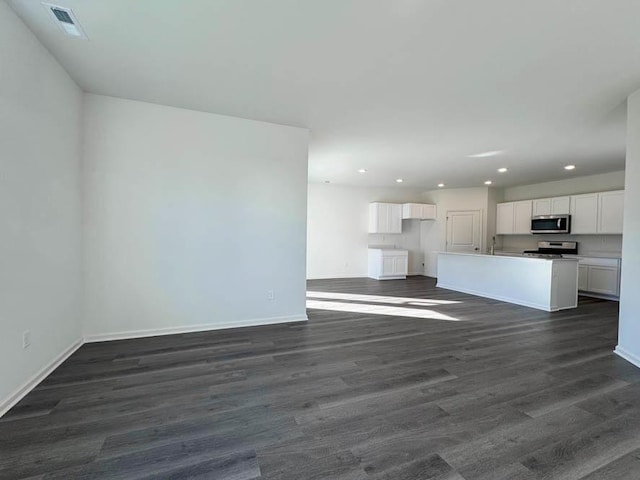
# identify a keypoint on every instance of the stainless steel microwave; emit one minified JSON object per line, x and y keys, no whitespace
{"x":551,"y":224}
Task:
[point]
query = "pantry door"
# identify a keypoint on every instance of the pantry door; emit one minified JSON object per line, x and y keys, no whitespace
{"x":464,"y":231}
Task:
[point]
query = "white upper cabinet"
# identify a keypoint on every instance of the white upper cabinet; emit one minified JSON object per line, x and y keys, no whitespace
{"x":561,"y":206}
{"x":597,"y":213}
{"x":514,"y":218}
{"x":419,"y":211}
{"x":591,"y":213}
{"x":610,"y":212}
{"x":522,"y":217}
{"x":584,"y":213}
{"x":505,"y":219}
{"x":385,"y":217}
{"x":542,"y":206}
{"x":552,"y":206}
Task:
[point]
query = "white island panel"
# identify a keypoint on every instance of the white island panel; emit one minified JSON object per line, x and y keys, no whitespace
{"x":545,"y":284}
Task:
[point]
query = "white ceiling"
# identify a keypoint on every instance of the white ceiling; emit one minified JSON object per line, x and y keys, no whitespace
{"x":403,"y":88}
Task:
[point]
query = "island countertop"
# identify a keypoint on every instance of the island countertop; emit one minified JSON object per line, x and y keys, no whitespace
{"x":512,"y":256}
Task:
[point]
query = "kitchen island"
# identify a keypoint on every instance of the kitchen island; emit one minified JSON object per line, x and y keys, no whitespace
{"x":549,"y":284}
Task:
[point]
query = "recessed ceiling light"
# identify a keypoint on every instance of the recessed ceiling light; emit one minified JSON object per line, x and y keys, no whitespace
{"x":503,"y":169}
{"x":399,"y":180}
{"x":327,"y":181}
{"x":441,"y":185}
{"x":488,"y":182}
{"x":362,"y":170}
{"x":570,"y":167}
{"x":492,"y":153}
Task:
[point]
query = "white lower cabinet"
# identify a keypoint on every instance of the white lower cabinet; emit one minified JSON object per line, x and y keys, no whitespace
{"x":388,"y":264}
{"x":583,"y":277}
{"x":599,"y":276}
{"x":603,"y":280}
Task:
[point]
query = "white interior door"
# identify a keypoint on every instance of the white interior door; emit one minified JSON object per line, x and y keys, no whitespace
{"x":464,"y":231}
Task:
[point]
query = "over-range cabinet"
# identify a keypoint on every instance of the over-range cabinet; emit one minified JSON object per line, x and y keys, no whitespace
{"x":587,"y":214}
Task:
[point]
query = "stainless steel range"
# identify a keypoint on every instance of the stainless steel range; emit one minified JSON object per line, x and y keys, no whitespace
{"x":553,"y":249}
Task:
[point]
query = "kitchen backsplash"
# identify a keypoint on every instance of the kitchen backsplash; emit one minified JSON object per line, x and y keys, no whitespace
{"x":586,"y":243}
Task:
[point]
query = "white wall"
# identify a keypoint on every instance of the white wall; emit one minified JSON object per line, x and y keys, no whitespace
{"x":569,"y":186}
{"x":434,"y":234}
{"x":337,"y":229}
{"x":587,"y":244}
{"x":629,"y":325}
{"x":40,"y":235}
{"x":191,"y":218}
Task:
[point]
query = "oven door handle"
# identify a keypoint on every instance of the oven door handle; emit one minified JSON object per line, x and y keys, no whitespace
{"x":559,"y":223}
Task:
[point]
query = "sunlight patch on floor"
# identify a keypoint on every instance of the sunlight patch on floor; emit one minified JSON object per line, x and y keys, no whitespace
{"x":418,"y":302}
{"x":378,"y":310}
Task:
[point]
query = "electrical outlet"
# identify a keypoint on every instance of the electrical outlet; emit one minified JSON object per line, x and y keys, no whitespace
{"x":271,"y":295}
{"x":26,"y":338}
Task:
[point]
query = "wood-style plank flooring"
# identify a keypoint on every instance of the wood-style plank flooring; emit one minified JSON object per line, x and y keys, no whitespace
{"x":388,"y":380}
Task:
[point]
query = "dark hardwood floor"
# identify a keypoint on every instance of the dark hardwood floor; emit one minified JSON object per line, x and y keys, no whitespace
{"x":377,"y":385}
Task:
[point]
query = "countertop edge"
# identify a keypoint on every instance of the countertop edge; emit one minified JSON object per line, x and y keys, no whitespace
{"x":510,"y":257}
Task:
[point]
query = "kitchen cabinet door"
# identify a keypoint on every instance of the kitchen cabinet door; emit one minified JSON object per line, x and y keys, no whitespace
{"x":374,"y":217}
{"x":583,"y":277}
{"x":388,"y":265}
{"x":505,"y":219}
{"x":542,"y":206}
{"x":522,"y":217}
{"x":395,"y":218}
{"x":412,"y":211}
{"x":610,"y":212}
{"x":603,"y":280}
{"x":400,"y":264}
{"x":599,"y":275}
{"x":561,"y":206}
{"x":419,"y":211}
{"x":584,"y":213}
{"x":385,"y":218}
{"x":429,"y":212}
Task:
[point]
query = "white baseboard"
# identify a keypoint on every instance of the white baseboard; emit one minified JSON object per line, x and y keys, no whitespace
{"x":359,"y":275}
{"x":33,"y":382}
{"x":537,"y":306}
{"x":628,"y":356}
{"x":155,"y":332}
{"x":597,"y":295}
{"x":338,"y":275}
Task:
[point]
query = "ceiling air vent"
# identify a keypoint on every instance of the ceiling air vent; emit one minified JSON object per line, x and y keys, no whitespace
{"x":66,"y":20}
